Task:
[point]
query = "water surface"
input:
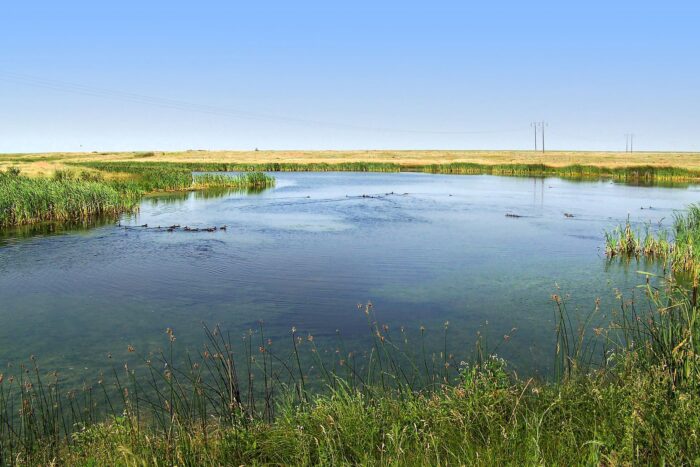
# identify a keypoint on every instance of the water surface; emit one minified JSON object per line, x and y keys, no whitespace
{"x":424,"y":249}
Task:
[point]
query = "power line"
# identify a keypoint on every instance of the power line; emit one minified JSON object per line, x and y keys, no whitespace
{"x":75,"y":88}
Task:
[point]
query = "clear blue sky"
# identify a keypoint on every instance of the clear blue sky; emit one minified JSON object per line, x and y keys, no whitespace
{"x":121,"y":75}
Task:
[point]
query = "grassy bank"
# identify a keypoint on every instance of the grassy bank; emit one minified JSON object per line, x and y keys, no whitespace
{"x":631,"y":174}
{"x":72,"y":195}
{"x":481,"y":421}
{"x":395,"y":405}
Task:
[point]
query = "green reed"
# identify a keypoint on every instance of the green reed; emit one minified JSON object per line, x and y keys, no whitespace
{"x":635,"y":174}
{"x":627,"y":242}
{"x":72,"y":196}
{"x":669,"y":338}
{"x":677,"y":250}
{"x":140,"y":167}
{"x":26,"y":200}
{"x":250,"y":180}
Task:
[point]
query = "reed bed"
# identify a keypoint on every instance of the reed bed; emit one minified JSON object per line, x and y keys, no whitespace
{"x":635,"y":174}
{"x":138,"y":167}
{"x":72,"y":196}
{"x":627,"y":242}
{"x":28,"y":200}
{"x":678,"y":250}
{"x":632,"y":174}
{"x":244,"y":181}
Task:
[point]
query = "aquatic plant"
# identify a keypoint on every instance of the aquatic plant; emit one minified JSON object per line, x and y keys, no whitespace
{"x":76,"y":196}
{"x":680,"y":253}
{"x":247,"y":180}
{"x":634,"y":174}
{"x":26,"y":200}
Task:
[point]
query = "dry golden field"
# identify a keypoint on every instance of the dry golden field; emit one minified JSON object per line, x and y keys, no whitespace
{"x":46,"y":163}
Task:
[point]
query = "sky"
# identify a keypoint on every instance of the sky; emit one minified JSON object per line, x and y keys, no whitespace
{"x":156,"y":75}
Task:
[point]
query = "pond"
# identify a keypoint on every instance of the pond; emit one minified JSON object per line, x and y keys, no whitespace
{"x":424,"y":249}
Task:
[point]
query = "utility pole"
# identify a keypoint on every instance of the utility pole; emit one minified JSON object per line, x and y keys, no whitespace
{"x":534,"y":125}
{"x":632,"y":142}
{"x":542,"y":124}
{"x":629,"y":142}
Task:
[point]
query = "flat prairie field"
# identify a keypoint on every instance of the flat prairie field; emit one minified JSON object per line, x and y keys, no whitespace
{"x":47,"y":163}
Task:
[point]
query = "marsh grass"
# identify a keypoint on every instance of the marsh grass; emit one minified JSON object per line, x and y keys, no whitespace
{"x":72,"y":196}
{"x":634,"y":174}
{"x":244,"y":181}
{"x":26,"y":200}
{"x":677,"y":251}
{"x":576,"y":171}
{"x":627,"y":242}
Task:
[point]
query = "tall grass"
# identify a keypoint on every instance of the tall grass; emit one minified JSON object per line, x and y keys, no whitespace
{"x":26,"y":200}
{"x":639,"y":174}
{"x":250,"y":180}
{"x":679,"y":249}
{"x":73,"y":196}
{"x":627,"y":242}
{"x":139,"y":167}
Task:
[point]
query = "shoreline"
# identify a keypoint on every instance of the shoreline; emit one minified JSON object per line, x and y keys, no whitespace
{"x":47,"y":163}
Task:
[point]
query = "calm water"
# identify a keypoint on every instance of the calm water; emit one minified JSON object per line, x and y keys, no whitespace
{"x":304,"y":254}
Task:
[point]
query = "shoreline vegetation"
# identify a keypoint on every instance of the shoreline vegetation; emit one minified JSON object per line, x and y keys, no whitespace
{"x":72,"y":187}
{"x":72,"y":195}
{"x":678,"y":249}
{"x":397,"y":404}
{"x":668,"y":166}
{"x":646,"y":173}
{"x":46,"y":163}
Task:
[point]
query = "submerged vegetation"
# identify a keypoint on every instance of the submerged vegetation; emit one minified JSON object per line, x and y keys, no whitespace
{"x":78,"y":196}
{"x":395,"y":405}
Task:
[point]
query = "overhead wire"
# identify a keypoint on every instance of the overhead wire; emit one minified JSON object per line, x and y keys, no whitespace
{"x":186,"y":106}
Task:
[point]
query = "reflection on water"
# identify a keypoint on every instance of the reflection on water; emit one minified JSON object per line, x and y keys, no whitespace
{"x":51,"y":228}
{"x":212,"y":193}
{"x":423,"y":248}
